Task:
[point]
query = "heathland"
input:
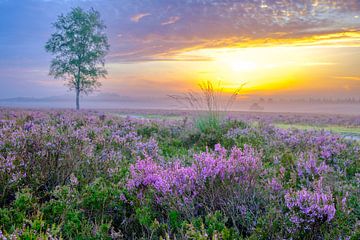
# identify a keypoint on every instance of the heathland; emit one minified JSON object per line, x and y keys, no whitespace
{"x":125,"y":175}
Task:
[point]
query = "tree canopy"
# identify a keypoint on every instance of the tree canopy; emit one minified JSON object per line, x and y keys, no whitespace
{"x":79,"y":45}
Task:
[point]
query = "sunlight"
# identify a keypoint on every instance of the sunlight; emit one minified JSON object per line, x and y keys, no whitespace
{"x":266,"y":69}
{"x":241,"y":66}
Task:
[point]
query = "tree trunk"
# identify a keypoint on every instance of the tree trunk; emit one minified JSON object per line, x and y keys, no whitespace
{"x":77,"y":99}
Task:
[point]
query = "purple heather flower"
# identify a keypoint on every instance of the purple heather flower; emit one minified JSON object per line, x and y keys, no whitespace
{"x":185,"y":181}
{"x":73,"y":180}
{"x":275,"y":185}
{"x":308,"y":166}
{"x":308,"y":207}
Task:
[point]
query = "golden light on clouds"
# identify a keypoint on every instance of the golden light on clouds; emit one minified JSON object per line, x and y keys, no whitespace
{"x":158,"y":48}
{"x":280,"y":63}
{"x":262,"y":68}
{"x":265,"y":69}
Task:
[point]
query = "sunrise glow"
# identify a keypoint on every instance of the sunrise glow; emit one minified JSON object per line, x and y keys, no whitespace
{"x":279,"y":48}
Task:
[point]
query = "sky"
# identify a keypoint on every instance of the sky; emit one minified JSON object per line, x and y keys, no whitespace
{"x":158,"y":47}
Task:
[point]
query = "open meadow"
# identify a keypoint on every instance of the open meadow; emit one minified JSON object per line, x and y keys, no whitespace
{"x":101,"y":175}
{"x":179,"y":120}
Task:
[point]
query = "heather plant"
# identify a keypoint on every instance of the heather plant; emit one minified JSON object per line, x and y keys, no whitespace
{"x":310,"y":211}
{"x":43,"y":153}
{"x":90,"y":175}
{"x":201,"y":186}
{"x":307,"y":166}
{"x":324,"y":145}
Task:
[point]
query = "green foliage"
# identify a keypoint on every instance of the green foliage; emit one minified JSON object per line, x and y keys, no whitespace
{"x":23,"y":206}
{"x":145,"y":216}
{"x":174,"y":220}
{"x":86,"y":213}
{"x":35,"y":230}
{"x":148,"y":131}
{"x":208,"y":121}
{"x":6,"y":221}
{"x":75,"y":225}
{"x":24,"y":201}
{"x":212,"y":227}
{"x":79,"y":45}
{"x":270,"y":225}
{"x":99,"y":198}
{"x":24,"y":219}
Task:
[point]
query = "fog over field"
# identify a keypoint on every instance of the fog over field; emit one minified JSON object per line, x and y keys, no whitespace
{"x":115,"y":101}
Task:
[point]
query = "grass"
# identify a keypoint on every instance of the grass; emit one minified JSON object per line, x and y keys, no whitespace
{"x":343,"y":130}
{"x":151,"y":116}
{"x":210,"y":105}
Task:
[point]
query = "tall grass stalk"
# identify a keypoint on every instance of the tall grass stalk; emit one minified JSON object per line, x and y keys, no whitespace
{"x":210,"y":104}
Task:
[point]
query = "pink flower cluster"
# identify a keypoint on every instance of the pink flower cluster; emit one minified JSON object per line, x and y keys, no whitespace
{"x":32,"y":144}
{"x":240,"y":167}
{"x":325,"y":144}
{"x":308,"y":166}
{"x":310,"y":207}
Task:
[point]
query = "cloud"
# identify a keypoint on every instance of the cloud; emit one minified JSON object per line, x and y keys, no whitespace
{"x":171,"y":20}
{"x":137,"y":17}
{"x":159,"y":48}
{"x":176,"y":27}
{"x":228,"y":23}
{"x":351,"y":78}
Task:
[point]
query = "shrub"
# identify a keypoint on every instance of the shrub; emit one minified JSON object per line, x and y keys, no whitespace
{"x":310,"y":211}
{"x":201,"y":186}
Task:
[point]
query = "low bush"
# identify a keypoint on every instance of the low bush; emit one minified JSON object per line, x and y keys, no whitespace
{"x":86,"y":175}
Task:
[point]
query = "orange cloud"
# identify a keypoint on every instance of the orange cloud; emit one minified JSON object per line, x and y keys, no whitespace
{"x":352,"y":78}
{"x":157,"y":47}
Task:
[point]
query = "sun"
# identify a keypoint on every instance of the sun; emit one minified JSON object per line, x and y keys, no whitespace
{"x":242,"y":66}
{"x":237,"y":61}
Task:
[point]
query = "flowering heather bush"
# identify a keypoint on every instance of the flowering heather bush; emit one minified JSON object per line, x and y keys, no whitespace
{"x":203,"y":185}
{"x":308,"y":167}
{"x":275,"y":185}
{"x":43,"y":151}
{"x":90,"y":175}
{"x":324,"y":145}
{"x":242,"y":166}
{"x":309,"y":210}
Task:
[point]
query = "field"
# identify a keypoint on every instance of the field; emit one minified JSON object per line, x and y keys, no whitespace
{"x":178,"y":175}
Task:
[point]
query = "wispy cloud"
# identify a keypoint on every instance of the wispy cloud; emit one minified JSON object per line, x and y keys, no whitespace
{"x":352,"y":78}
{"x":171,"y":20}
{"x":160,"y":48}
{"x":212,"y":24}
{"x":137,"y":17}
